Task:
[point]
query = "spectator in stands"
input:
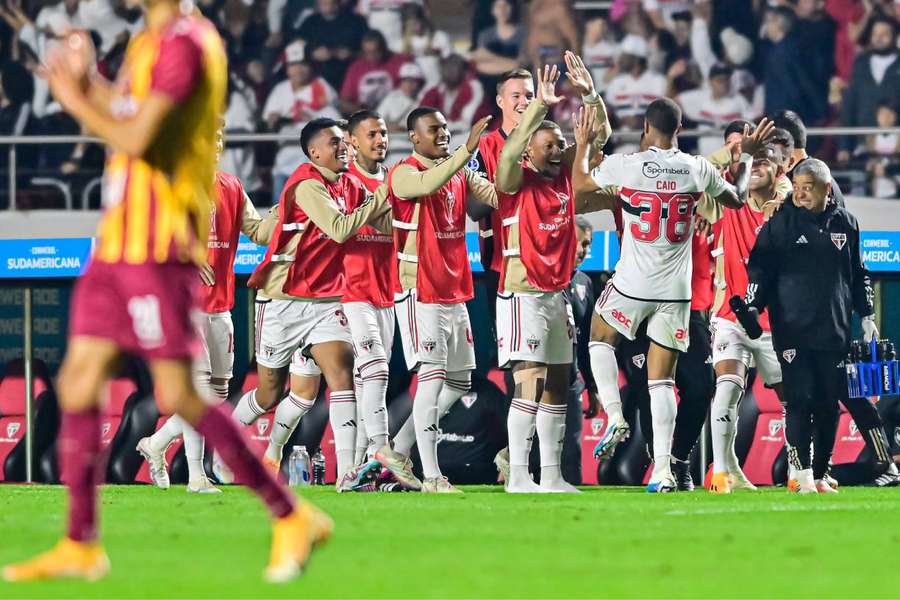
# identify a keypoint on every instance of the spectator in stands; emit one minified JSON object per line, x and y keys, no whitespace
{"x":240,"y":117}
{"x":789,"y":84}
{"x":500,"y":48}
{"x":399,"y":103}
{"x":634,"y":87}
{"x":815,"y":39}
{"x":372,"y":76}
{"x":243,"y":37}
{"x":16,"y":118}
{"x":551,"y":31}
{"x":385,"y":16}
{"x":849,"y":17}
{"x":291,"y":104}
{"x":458,"y":95}
{"x":333,"y":35}
{"x":882,"y":152}
{"x":713,"y":106}
{"x":599,"y":51}
{"x":422,"y":41}
{"x":876,"y":75}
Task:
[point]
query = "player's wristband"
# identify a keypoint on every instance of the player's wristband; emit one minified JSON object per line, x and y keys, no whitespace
{"x":746,"y":157}
{"x":592,"y":98}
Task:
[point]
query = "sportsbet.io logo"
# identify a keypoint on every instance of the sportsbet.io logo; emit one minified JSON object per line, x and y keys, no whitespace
{"x":652,"y":170}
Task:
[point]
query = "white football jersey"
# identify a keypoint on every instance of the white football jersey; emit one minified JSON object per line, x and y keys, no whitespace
{"x":658,"y":193}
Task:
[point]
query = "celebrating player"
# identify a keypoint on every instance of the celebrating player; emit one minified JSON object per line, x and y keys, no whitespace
{"x":137,"y":294}
{"x":298,"y":307}
{"x":430,"y":193}
{"x":659,"y":188}
{"x":230,"y":214}
{"x":533,"y":323}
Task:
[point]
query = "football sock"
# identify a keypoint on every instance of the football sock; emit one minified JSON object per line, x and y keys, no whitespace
{"x":225,"y":436}
{"x":521,"y":423}
{"x":247,"y":410}
{"x":457,"y":385}
{"x":287,"y":416}
{"x":425,"y":414}
{"x":374,"y":402}
{"x":361,"y":445}
{"x":406,"y":437}
{"x":219,"y":392}
{"x":722,"y":422}
{"x":606,"y":374}
{"x":663,"y":410}
{"x":342,"y":415}
{"x":170,"y":430}
{"x":80,"y":468}
{"x":551,"y":430}
{"x":193,"y":451}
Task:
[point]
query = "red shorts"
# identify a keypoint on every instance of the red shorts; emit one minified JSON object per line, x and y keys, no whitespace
{"x":147,"y":309}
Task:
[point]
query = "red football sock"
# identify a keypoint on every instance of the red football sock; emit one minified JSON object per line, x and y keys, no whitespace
{"x":222,"y":433}
{"x":79,"y":459}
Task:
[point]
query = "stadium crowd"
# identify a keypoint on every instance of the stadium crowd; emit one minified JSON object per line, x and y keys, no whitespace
{"x":832,"y":61}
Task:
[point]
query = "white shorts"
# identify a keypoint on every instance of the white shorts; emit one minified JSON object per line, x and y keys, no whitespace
{"x":284,"y":326}
{"x":667,"y":322}
{"x":435,"y":333}
{"x":216,"y":333}
{"x":536,"y":328}
{"x":730,"y":342}
{"x":372,"y":329}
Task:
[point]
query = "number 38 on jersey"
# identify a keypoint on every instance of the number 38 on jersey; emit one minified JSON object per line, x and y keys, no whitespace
{"x":658,"y":214}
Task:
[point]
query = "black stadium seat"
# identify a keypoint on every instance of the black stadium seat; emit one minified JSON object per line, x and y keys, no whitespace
{"x":12,"y":420}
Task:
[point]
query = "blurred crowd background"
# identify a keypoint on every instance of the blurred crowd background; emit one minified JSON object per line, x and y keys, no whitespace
{"x":835,"y":62}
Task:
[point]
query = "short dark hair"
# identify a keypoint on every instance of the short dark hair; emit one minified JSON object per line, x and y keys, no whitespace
{"x":312,"y":129}
{"x":664,"y":115}
{"x":782,"y":137}
{"x":683,"y":15}
{"x":548,"y":124}
{"x":418,"y":113}
{"x":520,"y":73}
{"x":376,"y":36}
{"x":360,"y":116}
{"x":865,"y":36}
{"x":738,"y":126}
{"x":342,"y":124}
{"x":791,"y":121}
{"x":785,"y":14}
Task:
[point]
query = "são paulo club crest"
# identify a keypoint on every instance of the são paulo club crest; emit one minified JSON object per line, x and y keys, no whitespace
{"x":789,"y":355}
{"x":597,"y":425}
{"x":839,"y":239}
{"x":367,"y":344}
{"x":262,"y":426}
{"x":429,"y":345}
{"x":853,"y":428}
{"x":533,"y":343}
{"x":775,"y":426}
{"x":638,"y":360}
{"x":469,"y":399}
{"x":12,"y":429}
{"x":104,"y":431}
{"x":213,"y":235}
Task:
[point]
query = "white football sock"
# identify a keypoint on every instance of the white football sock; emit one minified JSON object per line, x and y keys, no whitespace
{"x":193,"y":451}
{"x":425,"y":414}
{"x":219,"y":392}
{"x":457,"y":385}
{"x":723,"y":424}
{"x":520,"y":424}
{"x":361,"y":440}
{"x":247,"y":410}
{"x":606,"y":374}
{"x":406,"y":437}
{"x":287,"y":417}
{"x":663,"y":410}
{"x":551,"y":430}
{"x":165,"y":435}
{"x":374,"y":401}
{"x":342,"y":415}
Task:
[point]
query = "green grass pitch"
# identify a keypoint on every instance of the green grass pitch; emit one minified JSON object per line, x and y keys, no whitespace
{"x":610,"y":542}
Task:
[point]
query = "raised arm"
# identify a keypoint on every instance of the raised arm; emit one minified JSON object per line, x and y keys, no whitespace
{"x":750,"y":145}
{"x":317,"y":203}
{"x":582,"y":182}
{"x":409,"y":183}
{"x":580,"y":78}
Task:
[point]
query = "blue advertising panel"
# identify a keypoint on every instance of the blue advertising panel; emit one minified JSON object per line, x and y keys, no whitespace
{"x":39,"y":258}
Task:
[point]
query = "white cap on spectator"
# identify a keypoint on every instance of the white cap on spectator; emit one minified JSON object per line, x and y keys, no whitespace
{"x":738,"y":49}
{"x":411,"y":70}
{"x":294,"y":52}
{"x":634,"y":45}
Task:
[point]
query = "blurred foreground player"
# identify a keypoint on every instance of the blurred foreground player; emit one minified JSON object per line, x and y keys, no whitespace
{"x":138,"y":292}
{"x":231,"y":213}
{"x":806,"y":268}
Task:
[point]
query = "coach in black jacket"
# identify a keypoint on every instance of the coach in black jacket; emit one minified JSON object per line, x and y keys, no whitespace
{"x":807,"y":270}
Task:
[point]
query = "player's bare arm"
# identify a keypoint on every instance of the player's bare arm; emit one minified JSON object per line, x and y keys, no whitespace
{"x":585,"y":135}
{"x":409,"y":183}
{"x":131,"y":135}
{"x":580,"y":78}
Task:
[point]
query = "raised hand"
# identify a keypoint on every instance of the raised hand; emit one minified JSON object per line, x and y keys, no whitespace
{"x":583,"y":122}
{"x":753,"y":142}
{"x":477,"y":130}
{"x":578,"y":74}
{"x":79,"y":52}
{"x":64,"y":85}
{"x":546,"y":89}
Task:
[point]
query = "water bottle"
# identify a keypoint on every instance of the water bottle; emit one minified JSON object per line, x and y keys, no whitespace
{"x":298,"y":467}
{"x":318,"y":468}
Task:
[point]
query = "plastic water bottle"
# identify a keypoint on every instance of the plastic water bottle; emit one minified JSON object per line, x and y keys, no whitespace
{"x":298,"y":467}
{"x":318,"y":468}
